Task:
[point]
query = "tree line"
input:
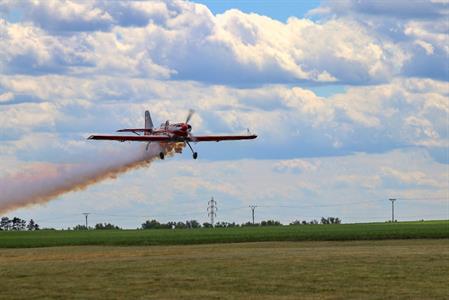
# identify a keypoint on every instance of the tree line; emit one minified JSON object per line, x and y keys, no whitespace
{"x":99,"y":226}
{"x":18,"y":224}
{"x":154,"y":224}
{"x":328,"y":220}
{"x":21,"y":225}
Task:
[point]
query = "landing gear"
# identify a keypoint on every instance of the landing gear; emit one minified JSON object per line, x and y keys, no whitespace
{"x":162,"y":155}
{"x":195,"y":154}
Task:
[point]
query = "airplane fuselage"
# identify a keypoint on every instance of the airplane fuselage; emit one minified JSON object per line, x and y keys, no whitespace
{"x":180,"y":130}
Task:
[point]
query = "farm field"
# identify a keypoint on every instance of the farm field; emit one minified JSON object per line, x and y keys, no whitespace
{"x":342,"y":232}
{"x":398,"y":269}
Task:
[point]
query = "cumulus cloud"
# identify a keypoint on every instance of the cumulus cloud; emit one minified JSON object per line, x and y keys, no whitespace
{"x":64,"y":15}
{"x":185,"y":41}
{"x":418,"y":28}
{"x":408,"y":179}
{"x":404,"y":9}
{"x":291,"y":121}
{"x":407,"y":9}
{"x":296,"y":165}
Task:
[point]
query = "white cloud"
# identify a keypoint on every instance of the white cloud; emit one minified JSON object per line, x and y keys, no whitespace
{"x":183,"y":40}
{"x":290,"y":121}
{"x":401,"y":9}
{"x":412,"y":178}
{"x":6,"y":97}
{"x":63,"y":15}
{"x":418,"y":28}
{"x":296,"y":165}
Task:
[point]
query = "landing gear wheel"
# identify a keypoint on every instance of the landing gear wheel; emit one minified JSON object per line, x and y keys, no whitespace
{"x":162,"y":155}
{"x":195,"y":154}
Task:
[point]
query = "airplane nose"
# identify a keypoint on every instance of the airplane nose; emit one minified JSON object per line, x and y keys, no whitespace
{"x":184,"y":127}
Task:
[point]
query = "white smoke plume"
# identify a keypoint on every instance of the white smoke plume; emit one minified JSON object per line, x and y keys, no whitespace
{"x":43,"y":182}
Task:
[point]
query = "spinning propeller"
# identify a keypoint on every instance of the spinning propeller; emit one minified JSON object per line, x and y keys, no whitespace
{"x":189,"y":115}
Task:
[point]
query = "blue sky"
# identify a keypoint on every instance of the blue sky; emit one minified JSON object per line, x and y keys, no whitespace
{"x":349,"y":99}
{"x":279,"y":10}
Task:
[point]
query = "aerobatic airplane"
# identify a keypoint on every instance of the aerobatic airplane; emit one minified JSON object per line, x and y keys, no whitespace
{"x":168,"y":134}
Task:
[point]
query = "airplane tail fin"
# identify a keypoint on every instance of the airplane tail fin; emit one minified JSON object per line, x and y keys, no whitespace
{"x":148,"y":122}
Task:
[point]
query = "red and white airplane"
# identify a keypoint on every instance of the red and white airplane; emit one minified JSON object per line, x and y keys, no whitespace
{"x":168,"y":134}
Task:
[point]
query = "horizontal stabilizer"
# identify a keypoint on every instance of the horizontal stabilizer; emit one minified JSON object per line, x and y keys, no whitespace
{"x":134,"y":138}
{"x":135,"y":130}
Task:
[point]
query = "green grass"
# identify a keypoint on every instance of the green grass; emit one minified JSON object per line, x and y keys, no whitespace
{"x":388,"y":269}
{"x":343,"y":232}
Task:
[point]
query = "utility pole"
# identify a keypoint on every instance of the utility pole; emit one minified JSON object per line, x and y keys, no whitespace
{"x":392,"y":209}
{"x":86,"y":215}
{"x":212,"y":210}
{"x":253,"y":208}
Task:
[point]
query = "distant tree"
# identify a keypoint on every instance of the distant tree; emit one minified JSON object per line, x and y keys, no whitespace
{"x":5,"y":223}
{"x":313,"y":222}
{"x":22,"y":225}
{"x":270,"y":223}
{"x":330,"y":220}
{"x":15,"y":223}
{"x":171,"y":225}
{"x":32,"y":225}
{"x":107,"y":226}
{"x":80,"y":227}
{"x":249,"y":224}
{"x":18,"y":224}
{"x":296,"y":222}
{"x":153,"y":224}
{"x":227,"y":224}
{"x":193,"y":224}
{"x":207,"y":225}
{"x":304,"y":222}
{"x":334,"y":220}
{"x":181,"y":225}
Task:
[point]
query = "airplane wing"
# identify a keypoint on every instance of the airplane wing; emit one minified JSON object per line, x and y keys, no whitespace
{"x":217,"y":138}
{"x":164,"y":138}
{"x":137,"y":138}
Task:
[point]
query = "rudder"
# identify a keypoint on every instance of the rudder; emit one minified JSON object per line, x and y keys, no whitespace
{"x":148,"y":122}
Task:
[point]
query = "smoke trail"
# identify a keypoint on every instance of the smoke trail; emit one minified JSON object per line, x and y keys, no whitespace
{"x":44,"y":182}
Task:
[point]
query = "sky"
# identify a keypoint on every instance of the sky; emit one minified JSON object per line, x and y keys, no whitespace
{"x":349,"y":100}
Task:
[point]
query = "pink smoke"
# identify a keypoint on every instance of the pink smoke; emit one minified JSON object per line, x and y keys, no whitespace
{"x":43,"y":182}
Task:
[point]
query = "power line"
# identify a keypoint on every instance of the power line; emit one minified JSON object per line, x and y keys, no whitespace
{"x":199,"y":213}
{"x":424,"y":199}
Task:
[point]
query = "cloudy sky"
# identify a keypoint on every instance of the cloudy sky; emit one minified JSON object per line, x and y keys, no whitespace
{"x":349,"y":99}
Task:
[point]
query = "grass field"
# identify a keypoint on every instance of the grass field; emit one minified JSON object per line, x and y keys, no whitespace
{"x":388,"y":269}
{"x":369,"y":231}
